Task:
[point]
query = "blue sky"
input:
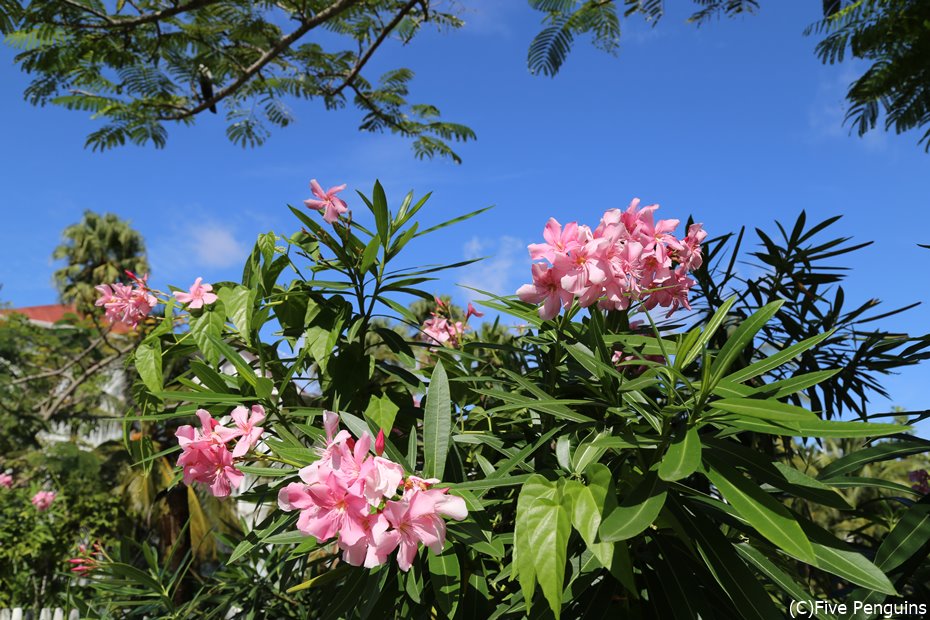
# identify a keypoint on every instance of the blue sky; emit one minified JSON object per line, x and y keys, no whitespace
{"x":736,"y":123}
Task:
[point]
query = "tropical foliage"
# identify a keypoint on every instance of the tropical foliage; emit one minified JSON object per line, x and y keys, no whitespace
{"x":141,"y":66}
{"x":606,"y":467}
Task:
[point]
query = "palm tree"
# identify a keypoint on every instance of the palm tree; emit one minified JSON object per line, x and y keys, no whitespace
{"x":97,"y":250}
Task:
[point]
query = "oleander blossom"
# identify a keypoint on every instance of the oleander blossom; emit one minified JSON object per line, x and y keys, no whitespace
{"x":85,"y":561}
{"x":198,"y":295}
{"x":364,"y":501}
{"x":921,"y":480}
{"x":6,"y":481}
{"x":331,"y":205}
{"x":442,"y":329}
{"x":630,"y":257}
{"x":43,"y":499}
{"x":126,"y":303}
{"x":205,"y":457}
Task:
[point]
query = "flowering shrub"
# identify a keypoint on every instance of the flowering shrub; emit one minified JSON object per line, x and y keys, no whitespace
{"x":627,"y":257}
{"x":6,"y":480}
{"x":43,"y":499}
{"x":581,"y":464}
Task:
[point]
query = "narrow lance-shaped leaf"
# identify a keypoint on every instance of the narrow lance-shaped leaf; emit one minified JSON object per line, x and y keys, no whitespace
{"x":768,"y":516}
{"x":637,"y":511}
{"x":683,"y":456}
{"x":437,"y":424}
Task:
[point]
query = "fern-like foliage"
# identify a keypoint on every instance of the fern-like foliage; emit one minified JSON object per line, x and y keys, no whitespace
{"x":894,"y":37}
{"x":140,"y":67}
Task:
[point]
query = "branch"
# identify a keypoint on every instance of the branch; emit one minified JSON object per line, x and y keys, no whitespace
{"x":146,"y":18}
{"x":58,"y":371}
{"x":48,"y":411}
{"x":374,"y":46}
{"x":285,"y":42}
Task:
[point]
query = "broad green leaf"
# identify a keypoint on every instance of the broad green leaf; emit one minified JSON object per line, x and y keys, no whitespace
{"x":683,"y":456}
{"x":437,"y":424}
{"x":589,"y":502}
{"x":382,"y":411}
{"x":147,"y":359}
{"x":637,"y":511}
{"x":240,"y":305}
{"x":766,"y":514}
{"x":541,"y":538}
{"x":445,"y":577}
{"x":910,"y":536}
{"x":207,"y":327}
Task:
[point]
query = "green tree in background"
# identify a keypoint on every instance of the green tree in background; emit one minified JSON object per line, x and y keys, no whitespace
{"x":143,"y":65}
{"x":99,"y":248}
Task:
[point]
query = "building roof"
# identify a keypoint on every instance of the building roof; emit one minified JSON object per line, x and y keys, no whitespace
{"x":53,"y":313}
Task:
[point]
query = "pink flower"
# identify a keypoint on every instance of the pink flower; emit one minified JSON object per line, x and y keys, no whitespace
{"x":380,"y":478}
{"x":328,"y":201}
{"x":379,"y":442}
{"x":417,"y":519}
{"x":43,"y":499}
{"x":125,"y":303}
{"x":205,"y":457}
{"x":250,"y":433}
{"x":199,"y":295}
{"x":472,"y":312}
{"x":546,"y":288}
{"x":558,"y":240}
{"x":922,"y":478}
{"x":690,"y":253}
{"x":6,"y":480}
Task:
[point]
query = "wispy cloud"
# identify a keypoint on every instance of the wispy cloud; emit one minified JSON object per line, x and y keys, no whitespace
{"x":500,"y":271}
{"x":206,"y":250}
{"x":827,"y":113}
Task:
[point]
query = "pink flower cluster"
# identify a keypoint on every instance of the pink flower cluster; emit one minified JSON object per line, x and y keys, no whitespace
{"x":441,"y":329}
{"x":126,"y":303}
{"x":43,"y":499}
{"x":628,"y":257}
{"x":331,"y":205}
{"x":198,"y":295}
{"x":85,"y":561}
{"x":205,"y":457}
{"x":6,"y":481}
{"x":922,"y":480}
{"x":353,"y":496}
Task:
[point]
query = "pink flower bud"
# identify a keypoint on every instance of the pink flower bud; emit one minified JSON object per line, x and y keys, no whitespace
{"x":379,"y":443}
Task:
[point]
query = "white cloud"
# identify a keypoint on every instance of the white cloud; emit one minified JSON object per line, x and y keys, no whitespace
{"x":827,"y":113}
{"x":216,"y":246}
{"x":505,"y":264}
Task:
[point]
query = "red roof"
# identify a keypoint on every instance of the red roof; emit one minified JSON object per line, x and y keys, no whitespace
{"x":59,"y":312}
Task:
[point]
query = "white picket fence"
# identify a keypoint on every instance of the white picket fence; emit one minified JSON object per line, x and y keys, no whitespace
{"x":18,"y":613}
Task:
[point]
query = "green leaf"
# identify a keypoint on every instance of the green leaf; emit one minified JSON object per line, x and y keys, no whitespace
{"x":148,"y":362}
{"x":910,"y":536}
{"x":206,"y":327}
{"x":454,"y":220}
{"x":589,"y":502}
{"x":380,"y":210}
{"x":382,"y":412}
{"x":742,"y":337}
{"x":881,"y":452}
{"x":445,"y":577}
{"x":777,"y":359}
{"x":637,"y":511}
{"x":682,"y":361}
{"x":760,"y":509}
{"x":683,"y":456}
{"x":543,"y":527}
{"x":836,"y":557}
{"x":437,"y":424}
{"x":815,"y":428}
{"x":747,"y":594}
{"x":763,"y":409}
{"x":240,"y":304}
{"x":777,"y":576}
